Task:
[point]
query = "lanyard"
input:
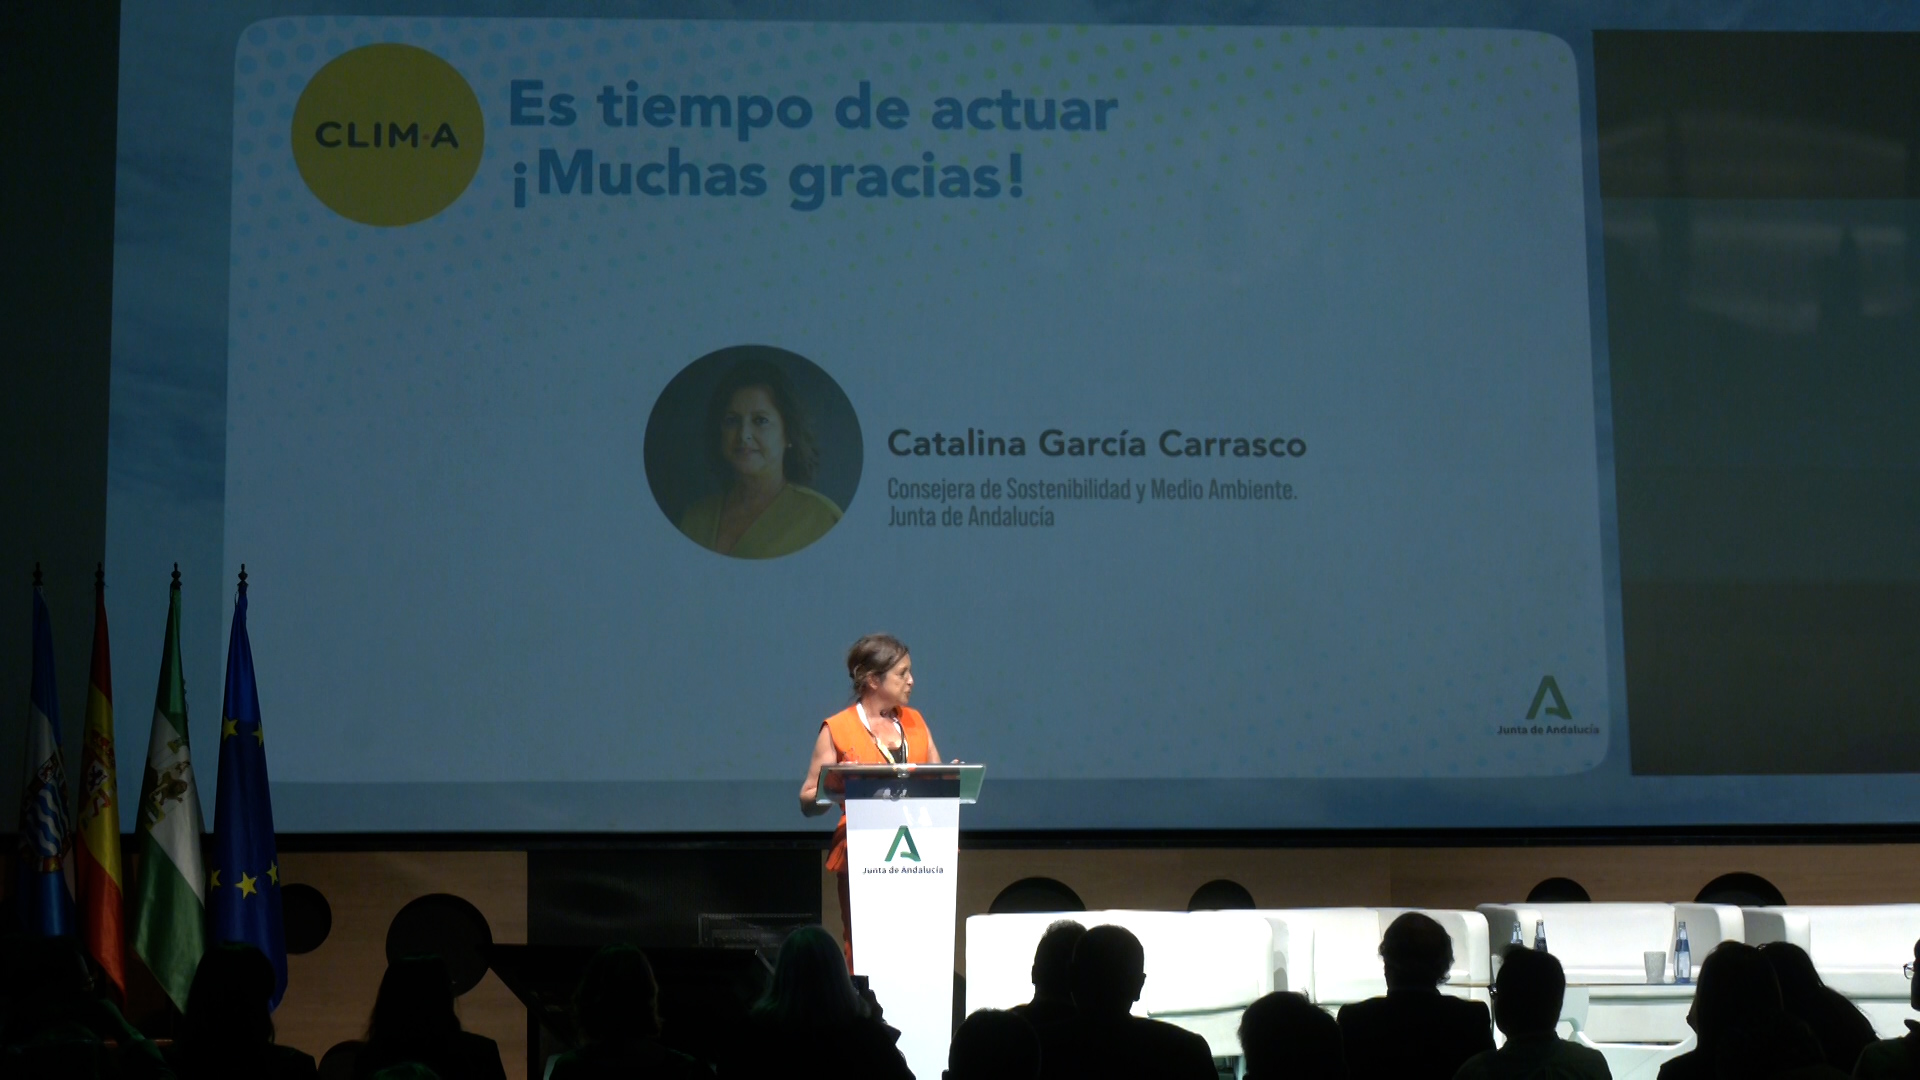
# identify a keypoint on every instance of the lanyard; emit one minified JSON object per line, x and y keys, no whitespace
{"x":868,"y":724}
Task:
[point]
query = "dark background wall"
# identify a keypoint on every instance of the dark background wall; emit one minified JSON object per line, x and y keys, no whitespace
{"x":58,"y":67}
{"x":1761,"y":204}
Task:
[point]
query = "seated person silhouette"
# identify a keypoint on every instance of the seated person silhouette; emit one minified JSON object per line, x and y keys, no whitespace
{"x":56,"y":1020}
{"x":1103,"y":1041}
{"x":618,"y":1006}
{"x":1415,"y":1032}
{"x":1743,"y":1028}
{"x":993,"y":1045}
{"x":227,"y":1030}
{"x":1283,"y":1036}
{"x":414,"y":1021}
{"x":1053,"y":975}
{"x":1526,"y":1004}
{"x":1895,"y":1059}
{"x":811,"y":1024}
{"x":1843,"y":1030}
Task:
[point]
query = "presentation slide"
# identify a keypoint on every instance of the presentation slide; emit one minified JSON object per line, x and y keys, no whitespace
{"x":1217,"y":411}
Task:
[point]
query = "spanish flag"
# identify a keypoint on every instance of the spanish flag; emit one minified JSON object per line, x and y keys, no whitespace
{"x":97,"y":861}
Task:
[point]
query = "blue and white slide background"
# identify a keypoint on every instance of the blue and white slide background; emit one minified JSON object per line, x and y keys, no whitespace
{"x":468,"y":612}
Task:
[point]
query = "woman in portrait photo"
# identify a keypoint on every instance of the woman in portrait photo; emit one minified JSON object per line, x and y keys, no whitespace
{"x":761,"y":445}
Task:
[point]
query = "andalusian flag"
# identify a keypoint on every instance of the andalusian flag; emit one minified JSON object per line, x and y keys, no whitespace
{"x":245,"y":873}
{"x":169,"y":900}
{"x":97,"y":861}
{"x":40,"y":890}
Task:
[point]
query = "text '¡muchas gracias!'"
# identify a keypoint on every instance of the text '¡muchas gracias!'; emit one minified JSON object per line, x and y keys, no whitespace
{"x":583,"y":171}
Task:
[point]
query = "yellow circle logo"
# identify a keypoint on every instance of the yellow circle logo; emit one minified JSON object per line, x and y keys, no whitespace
{"x":387,"y":135}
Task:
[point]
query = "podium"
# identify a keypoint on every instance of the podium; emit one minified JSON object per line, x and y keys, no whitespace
{"x":903,"y":853}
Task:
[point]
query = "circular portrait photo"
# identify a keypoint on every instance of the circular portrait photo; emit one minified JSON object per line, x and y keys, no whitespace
{"x":753,"y":452}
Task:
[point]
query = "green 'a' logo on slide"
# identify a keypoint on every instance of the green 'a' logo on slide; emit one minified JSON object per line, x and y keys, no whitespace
{"x":911,"y":853}
{"x":1549,"y":689}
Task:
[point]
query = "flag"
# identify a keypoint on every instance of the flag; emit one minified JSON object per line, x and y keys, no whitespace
{"x":243,"y":880}
{"x":169,"y":898}
{"x":97,"y":855}
{"x":40,"y":881}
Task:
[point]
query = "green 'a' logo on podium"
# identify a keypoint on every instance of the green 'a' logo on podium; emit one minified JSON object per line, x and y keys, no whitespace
{"x":1549,"y":689}
{"x":909,"y":853}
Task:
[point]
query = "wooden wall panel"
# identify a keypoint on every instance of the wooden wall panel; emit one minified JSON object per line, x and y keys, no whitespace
{"x":1806,"y":874}
{"x":330,"y":991}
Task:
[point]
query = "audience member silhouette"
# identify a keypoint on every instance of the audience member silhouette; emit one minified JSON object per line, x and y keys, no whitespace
{"x":1103,"y":1041}
{"x":1415,"y":1032}
{"x":1743,"y":1027}
{"x":227,"y":1030}
{"x":55,"y":1021}
{"x":1895,"y":1059}
{"x":1053,"y":975}
{"x":1527,"y":996}
{"x":811,"y":1024}
{"x":993,"y":1045}
{"x":406,"y":1070}
{"x":618,"y":1006}
{"x":413,"y":1021}
{"x":1843,"y":1030}
{"x":1283,"y":1036}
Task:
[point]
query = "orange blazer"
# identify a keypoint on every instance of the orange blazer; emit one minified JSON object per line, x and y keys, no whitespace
{"x":853,"y":745}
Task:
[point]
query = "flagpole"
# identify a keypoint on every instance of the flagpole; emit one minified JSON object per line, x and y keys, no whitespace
{"x":43,"y":899}
{"x":97,"y":868}
{"x":243,"y":873}
{"x":169,"y":899}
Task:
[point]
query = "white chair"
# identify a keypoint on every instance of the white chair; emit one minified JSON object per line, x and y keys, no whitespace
{"x":1857,"y":949}
{"x":1602,"y":947}
{"x":1330,"y":955}
{"x":1203,"y":968}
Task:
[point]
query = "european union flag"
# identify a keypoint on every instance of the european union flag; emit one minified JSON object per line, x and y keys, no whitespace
{"x":243,"y":875}
{"x":40,"y":885}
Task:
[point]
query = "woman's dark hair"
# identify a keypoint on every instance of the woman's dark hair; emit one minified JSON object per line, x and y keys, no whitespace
{"x":1416,"y":951}
{"x":227,"y":1025}
{"x":810,"y":989}
{"x":414,"y":1008}
{"x":1736,"y":989}
{"x":802,"y":457}
{"x":1800,"y":983}
{"x":871,"y":658}
{"x":618,"y":998}
{"x":1842,"y":1029}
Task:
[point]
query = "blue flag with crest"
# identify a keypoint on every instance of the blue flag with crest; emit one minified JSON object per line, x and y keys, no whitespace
{"x":243,"y":873}
{"x":43,"y":901}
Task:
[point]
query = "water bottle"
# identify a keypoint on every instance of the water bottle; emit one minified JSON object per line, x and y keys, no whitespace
{"x":1540,"y":935}
{"x":1515,"y":943}
{"x":1682,"y":958}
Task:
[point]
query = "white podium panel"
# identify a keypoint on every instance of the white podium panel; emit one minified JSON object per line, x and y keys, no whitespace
{"x":902,"y":860}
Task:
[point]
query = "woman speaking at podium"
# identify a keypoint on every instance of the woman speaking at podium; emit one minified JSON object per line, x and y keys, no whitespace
{"x":878,"y":729}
